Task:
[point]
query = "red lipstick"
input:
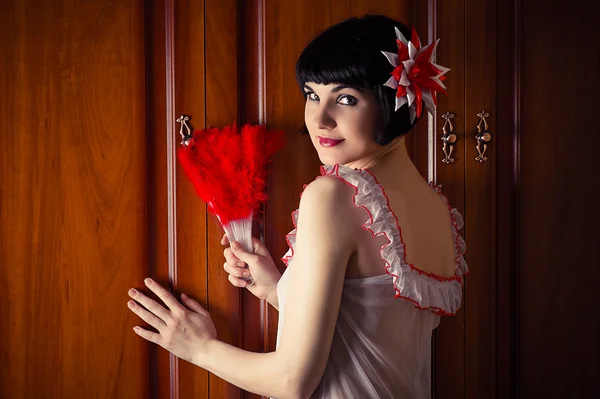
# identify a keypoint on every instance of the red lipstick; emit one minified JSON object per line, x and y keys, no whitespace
{"x":326,"y":142}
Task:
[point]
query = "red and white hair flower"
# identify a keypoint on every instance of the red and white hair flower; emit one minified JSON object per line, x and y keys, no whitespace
{"x":415,"y":77}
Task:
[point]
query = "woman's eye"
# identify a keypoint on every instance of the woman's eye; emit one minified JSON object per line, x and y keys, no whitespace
{"x":312,"y":96}
{"x":348,"y":100}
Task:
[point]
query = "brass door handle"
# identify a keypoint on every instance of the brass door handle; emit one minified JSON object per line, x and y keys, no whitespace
{"x":483,"y":136}
{"x":449,"y":138}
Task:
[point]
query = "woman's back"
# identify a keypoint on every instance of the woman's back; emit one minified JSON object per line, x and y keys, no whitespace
{"x":425,"y":223}
{"x":382,"y":338}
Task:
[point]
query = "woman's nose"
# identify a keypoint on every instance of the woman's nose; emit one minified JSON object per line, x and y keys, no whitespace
{"x":323,"y":119}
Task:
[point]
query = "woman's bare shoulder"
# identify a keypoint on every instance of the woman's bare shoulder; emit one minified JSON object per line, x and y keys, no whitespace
{"x":330,"y":192}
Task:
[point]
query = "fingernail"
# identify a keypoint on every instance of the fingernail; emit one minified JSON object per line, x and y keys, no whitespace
{"x":132,"y":292}
{"x":245,"y":274}
{"x":130,"y":304}
{"x":236,"y":245}
{"x":241,"y":264}
{"x":148,"y":281}
{"x":183,"y":295}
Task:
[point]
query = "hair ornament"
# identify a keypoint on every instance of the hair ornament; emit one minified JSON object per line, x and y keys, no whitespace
{"x":415,"y":77}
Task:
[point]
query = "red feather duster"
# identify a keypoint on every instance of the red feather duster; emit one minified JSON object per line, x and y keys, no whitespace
{"x":228,"y":170}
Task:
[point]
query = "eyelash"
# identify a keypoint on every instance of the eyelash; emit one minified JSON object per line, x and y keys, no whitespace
{"x":354,"y":99}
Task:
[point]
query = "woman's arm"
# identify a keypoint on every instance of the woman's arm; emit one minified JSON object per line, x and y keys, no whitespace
{"x":273,"y":300}
{"x":328,"y":224}
{"x":260,"y":373}
{"x":327,"y":227}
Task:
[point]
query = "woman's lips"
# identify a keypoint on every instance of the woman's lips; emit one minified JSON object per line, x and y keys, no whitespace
{"x":326,"y":142}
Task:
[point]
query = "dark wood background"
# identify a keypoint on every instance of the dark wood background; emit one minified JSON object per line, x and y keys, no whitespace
{"x":92,"y":199}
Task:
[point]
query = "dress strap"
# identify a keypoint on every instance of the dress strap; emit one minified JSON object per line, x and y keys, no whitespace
{"x":427,"y":291}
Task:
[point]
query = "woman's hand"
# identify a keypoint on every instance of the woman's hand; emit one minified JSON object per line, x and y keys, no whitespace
{"x":260,"y":266}
{"x":182,"y":330}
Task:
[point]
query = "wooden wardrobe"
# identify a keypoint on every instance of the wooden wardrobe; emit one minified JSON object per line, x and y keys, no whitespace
{"x":92,"y":199}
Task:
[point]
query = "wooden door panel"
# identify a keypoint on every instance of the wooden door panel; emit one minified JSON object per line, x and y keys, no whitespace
{"x":161,"y":171}
{"x":480,"y":200}
{"x":73,"y":198}
{"x":558,"y":273}
{"x":507,"y":191}
{"x":191,"y":272}
{"x":448,"y":18}
{"x":224,"y":300}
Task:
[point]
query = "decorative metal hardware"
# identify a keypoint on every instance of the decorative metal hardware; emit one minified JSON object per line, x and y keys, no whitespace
{"x":449,"y":138}
{"x":483,"y":136}
{"x":185,"y":137}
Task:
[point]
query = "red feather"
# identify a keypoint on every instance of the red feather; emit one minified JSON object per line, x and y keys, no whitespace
{"x":228,"y":168}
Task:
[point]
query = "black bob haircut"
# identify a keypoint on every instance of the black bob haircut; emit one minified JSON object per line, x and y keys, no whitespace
{"x":349,"y":52}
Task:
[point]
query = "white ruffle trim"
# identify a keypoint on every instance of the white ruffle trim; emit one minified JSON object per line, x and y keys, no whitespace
{"x":441,"y":295}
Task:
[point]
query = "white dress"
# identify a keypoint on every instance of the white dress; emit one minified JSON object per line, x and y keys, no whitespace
{"x":382,"y":341}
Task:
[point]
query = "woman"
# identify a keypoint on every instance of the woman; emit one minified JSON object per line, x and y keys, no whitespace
{"x":376,"y":256}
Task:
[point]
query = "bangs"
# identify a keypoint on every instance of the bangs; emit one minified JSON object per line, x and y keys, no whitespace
{"x":344,"y":65}
{"x":350,"y":53}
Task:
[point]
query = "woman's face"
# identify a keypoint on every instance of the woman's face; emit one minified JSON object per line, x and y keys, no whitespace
{"x":341,"y":121}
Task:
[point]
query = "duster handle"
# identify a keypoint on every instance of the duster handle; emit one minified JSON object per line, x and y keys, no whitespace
{"x":240,"y":230}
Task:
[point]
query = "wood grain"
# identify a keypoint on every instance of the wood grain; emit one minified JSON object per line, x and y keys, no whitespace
{"x":448,"y":18}
{"x":480,"y":199}
{"x":221,"y":109}
{"x":559,"y":140}
{"x":161,"y":213}
{"x":73,"y":198}
{"x":508,"y":63}
{"x":193,"y":220}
